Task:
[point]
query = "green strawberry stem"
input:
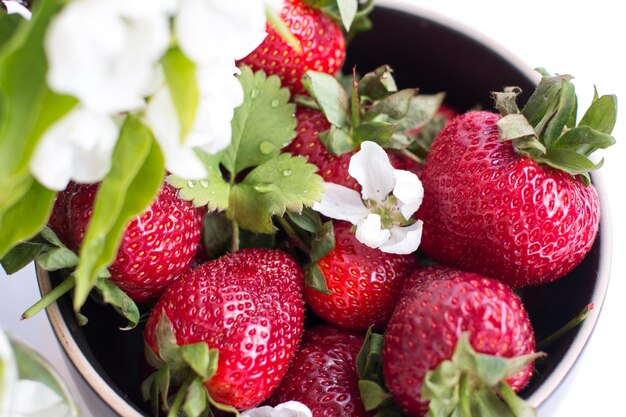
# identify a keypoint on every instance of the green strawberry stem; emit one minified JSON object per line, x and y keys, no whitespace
{"x":54,"y":294}
{"x":279,"y":26}
{"x":546,"y":129}
{"x":293,"y":235}
{"x":180,"y":397}
{"x":472,"y":383}
{"x":574,"y":322}
{"x":235,"y":236}
{"x":354,"y":110}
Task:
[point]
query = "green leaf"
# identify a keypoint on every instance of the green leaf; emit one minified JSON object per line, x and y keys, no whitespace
{"x":323,"y":242}
{"x":8,"y":26}
{"x":216,"y":234}
{"x":562,"y":114}
{"x":58,"y":258}
{"x":26,"y":217}
{"x":378,"y":84}
{"x":200,"y":359}
{"x":372,"y":394}
{"x":518,"y":406}
{"x":180,"y":75}
{"x":543,"y":99}
{"x":28,"y":107}
{"x":314,"y":278}
{"x":583,"y":139}
{"x":347,"y":11}
{"x":284,"y":183}
{"x":130,"y":186}
{"x":308,"y":219}
{"x":422,"y":109}
{"x":514,"y":126}
{"x":369,"y":364}
{"x":20,"y":256}
{"x":379,"y":132}
{"x":212,"y":191}
{"x":601,"y":115}
{"x":120,"y":301}
{"x":195,"y":399}
{"x":569,"y":161}
{"x":338,"y":141}
{"x":329,"y":95}
{"x":395,"y":106}
{"x":262,"y":125}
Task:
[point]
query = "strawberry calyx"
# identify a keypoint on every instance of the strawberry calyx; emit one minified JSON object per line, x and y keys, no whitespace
{"x":374,"y":393}
{"x":185,"y":367}
{"x":375,"y":110}
{"x":352,"y":15}
{"x":546,"y":129}
{"x":472,"y":383}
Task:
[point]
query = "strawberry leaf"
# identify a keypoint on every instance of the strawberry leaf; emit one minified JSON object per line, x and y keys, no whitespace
{"x":337,"y":141}
{"x":111,"y":294}
{"x":347,"y":11}
{"x":314,"y":278}
{"x":379,"y":132}
{"x":329,"y":95}
{"x":601,"y":115}
{"x":195,"y":399}
{"x":262,"y":125}
{"x":35,"y":205}
{"x":180,"y":74}
{"x":23,"y":96}
{"x":130,"y":186}
{"x":20,"y":256}
{"x":212,"y":191}
{"x":395,"y":106}
{"x":377,"y":84}
{"x":284,"y":183}
{"x":308,"y":220}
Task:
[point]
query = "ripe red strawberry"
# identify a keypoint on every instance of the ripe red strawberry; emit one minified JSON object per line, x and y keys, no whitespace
{"x":333,"y":168}
{"x":323,"y":47}
{"x":436,"y":306}
{"x":248,"y":305}
{"x":157,"y":246}
{"x":497,"y":207}
{"x":363,"y":282}
{"x":323,"y":374}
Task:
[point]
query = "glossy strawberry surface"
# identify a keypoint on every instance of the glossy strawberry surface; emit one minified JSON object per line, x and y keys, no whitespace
{"x":490,"y":211}
{"x":157,"y":246}
{"x":437,"y":304}
{"x":363,"y":282}
{"x":323,"y":374}
{"x":333,"y":168}
{"x":321,"y":40}
{"x":248,"y":305}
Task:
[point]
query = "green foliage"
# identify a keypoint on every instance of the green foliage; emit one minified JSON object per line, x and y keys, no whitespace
{"x":130,"y":186}
{"x":251,"y":180}
{"x":180,"y":74}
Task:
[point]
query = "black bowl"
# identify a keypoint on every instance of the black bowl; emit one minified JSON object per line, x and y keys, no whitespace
{"x":435,"y":55}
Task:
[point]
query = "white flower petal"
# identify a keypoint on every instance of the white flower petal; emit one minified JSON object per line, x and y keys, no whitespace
{"x":371,"y":168}
{"x":370,"y":231}
{"x":162,"y":118}
{"x":409,"y":191}
{"x":105,"y":53}
{"x":341,"y":203}
{"x":404,"y":240}
{"x":8,"y":374}
{"x":286,"y":409}
{"x":18,"y":8}
{"x":78,"y":146}
{"x":236,"y":28}
{"x":35,"y":399}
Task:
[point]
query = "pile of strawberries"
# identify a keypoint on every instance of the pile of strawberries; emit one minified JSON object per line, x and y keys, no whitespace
{"x":497,"y":212}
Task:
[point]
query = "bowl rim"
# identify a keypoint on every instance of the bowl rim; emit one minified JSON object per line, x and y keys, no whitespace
{"x":119,"y":405}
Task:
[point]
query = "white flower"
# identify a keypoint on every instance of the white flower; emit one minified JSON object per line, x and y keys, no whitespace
{"x":14,"y":6}
{"x":105,"y":52}
{"x":25,"y":398}
{"x":210,"y":29}
{"x":287,"y":409}
{"x":77,"y":147}
{"x":220,"y":92}
{"x":383,"y":211}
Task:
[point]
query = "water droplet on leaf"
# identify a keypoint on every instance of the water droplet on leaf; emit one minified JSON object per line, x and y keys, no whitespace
{"x":274,"y":103}
{"x":266,"y":148}
{"x":204,"y":183}
{"x":254,"y":93}
{"x":191,"y":183}
{"x":287,"y":172}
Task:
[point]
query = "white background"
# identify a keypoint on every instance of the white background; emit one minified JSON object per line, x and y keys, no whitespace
{"x":584,"y":39}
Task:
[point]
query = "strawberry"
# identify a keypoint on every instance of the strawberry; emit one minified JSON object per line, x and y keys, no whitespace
{"x":247,"y":306}
{"x":437,"y":306}
{"x":516,"y":206}
{"x":333,"y":168}
{"x":363,"y":282}
{"x":323,"y":374}
{"x":157,"y":246}
{"x":321,"y":43}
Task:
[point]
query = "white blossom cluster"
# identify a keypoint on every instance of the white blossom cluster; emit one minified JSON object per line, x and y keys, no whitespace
{"x":107,"y":54}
